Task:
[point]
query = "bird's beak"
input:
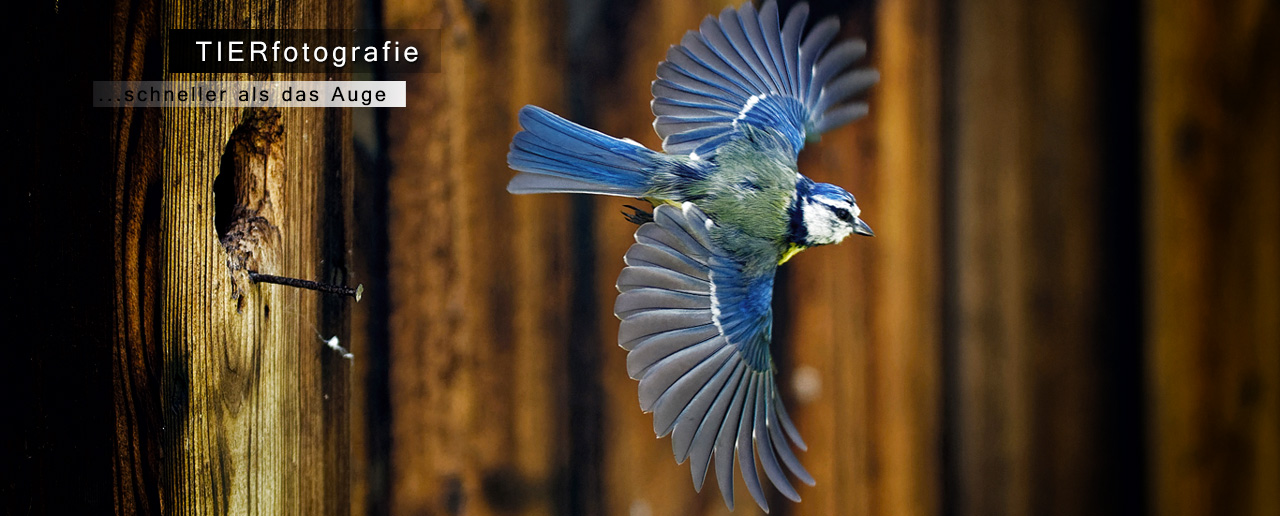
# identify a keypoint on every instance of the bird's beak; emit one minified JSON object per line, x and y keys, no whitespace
{"x":862,"y":228}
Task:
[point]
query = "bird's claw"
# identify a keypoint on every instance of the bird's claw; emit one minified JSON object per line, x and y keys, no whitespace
{"x":638,"y":216}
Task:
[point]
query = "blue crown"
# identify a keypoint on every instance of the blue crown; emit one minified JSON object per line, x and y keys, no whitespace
{"x":830,"y":192}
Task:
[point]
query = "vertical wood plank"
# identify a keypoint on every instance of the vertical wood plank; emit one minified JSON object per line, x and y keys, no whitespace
{"x":542,"y":275}
{"x":1212,"y":120}
{"x":254,"y":414}
{"x":1028,"y":283}
{"x":991,"y":160}
{"x":639,"y":473}
{"x":137,"y":359}
{"x":476,"y":326}
{"x":906,"y":364}
{"x":823,"y":308}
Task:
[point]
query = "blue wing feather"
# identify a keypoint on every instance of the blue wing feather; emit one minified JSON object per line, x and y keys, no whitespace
{"x":749,"y":70}
{"x":737,"y":30}
{"x":792,"y":30}
{"x":771,"y":47}
{"x":698,"y":329}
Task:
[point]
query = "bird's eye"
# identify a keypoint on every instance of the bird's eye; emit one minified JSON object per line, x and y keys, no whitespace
{"x":843,"y":214}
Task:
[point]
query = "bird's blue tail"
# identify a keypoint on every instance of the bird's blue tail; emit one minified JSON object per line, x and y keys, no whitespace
{"x":556,"y":155}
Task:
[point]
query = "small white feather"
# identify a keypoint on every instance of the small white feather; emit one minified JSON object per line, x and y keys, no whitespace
{"x":336,"y":346}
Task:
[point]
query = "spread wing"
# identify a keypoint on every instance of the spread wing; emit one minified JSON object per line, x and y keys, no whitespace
{"x":697,"y":330}
{"x":744,"y":68}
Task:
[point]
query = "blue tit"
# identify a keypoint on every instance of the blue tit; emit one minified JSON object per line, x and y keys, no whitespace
{"x":735,"y":102}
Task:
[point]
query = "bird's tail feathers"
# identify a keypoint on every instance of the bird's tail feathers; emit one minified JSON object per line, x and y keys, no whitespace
{"x":556,"y":155}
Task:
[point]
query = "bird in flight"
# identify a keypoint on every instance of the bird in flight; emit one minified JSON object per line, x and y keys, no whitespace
{"x":735,"y":102}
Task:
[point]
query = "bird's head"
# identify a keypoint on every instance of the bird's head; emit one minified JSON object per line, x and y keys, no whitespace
{"x":825,"y":214}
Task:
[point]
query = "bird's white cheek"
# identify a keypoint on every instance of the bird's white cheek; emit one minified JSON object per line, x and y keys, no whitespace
{"x":820,"y":227}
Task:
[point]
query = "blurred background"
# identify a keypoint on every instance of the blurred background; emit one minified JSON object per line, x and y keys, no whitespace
{"x":1071,"y":306}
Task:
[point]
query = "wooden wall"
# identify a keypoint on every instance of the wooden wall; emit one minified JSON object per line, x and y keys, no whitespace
{"x":155,"y":377}
{"x":1211,"y":113}
{"x":1006,"y":344}
{"x":1071,"y":306}
{"x":227,"y":398}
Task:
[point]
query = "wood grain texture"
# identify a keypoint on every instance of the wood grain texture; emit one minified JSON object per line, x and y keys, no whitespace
{"x":1072,"y":305}
{"x":477,"y":331}
{"x":825,"y":305}
{"x":137,"y":360}
{"x":228,"y":400}
{"x":1212,"y":120}
{"x":991,"y":176}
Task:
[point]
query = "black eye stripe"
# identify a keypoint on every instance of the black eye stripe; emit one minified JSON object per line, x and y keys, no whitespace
{"x":843,"y":214}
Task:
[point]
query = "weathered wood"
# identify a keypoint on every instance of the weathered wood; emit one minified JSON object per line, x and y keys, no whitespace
{"x":1212,"y":123}
{"x":137,"y":359}
{"x":991,"y":172}
{"x":477,"y":326}
{"x":228,"y":399}
{"x":823,"y":309}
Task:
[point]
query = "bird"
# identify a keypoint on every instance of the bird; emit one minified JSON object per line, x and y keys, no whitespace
{"x":734,"y":103}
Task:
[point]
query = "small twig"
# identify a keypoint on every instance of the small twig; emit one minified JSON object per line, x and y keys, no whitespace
{"x":309,"y":285}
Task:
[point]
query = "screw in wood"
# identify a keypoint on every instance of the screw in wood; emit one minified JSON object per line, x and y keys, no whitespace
{"x":342,"y":290}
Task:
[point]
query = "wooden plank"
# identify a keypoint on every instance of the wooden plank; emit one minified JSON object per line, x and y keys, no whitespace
{"x":824,"y":310}
{"x":1028,"y":436}
{"x":841,"y":372}
{"x":137,"y":359}
{"x":476,"y":332}
{"x":542,"y":274}
{"x":906,"y":361}
{"x":990,"y":199}
{"x":1212,"y":120}
{"x":254,"y":414}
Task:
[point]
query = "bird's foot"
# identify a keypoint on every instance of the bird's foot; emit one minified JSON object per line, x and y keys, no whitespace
{"x":638,"y":216}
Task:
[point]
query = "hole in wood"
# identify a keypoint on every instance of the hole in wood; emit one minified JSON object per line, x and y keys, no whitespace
{"x":249,"y":182}
{"x":224,"y":196}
